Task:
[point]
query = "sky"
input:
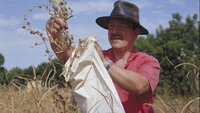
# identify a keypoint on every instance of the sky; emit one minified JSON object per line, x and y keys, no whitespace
{"x":16,"y":44}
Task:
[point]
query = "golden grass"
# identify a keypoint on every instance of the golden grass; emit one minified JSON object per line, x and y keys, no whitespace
{"x":176,"y":104}
{"x":55,"y":100}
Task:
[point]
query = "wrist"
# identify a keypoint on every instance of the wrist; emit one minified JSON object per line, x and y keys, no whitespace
{"x":109,"y":64}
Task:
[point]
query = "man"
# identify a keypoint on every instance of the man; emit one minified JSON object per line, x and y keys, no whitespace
{"x":135,"y":74}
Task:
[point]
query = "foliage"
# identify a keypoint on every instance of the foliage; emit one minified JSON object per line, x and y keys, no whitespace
{"x":2,"y":60}
{"x":177,"y":49}
{"x":2,"y":69}
{"x":12,"y":75}
{"x":48,"y":72}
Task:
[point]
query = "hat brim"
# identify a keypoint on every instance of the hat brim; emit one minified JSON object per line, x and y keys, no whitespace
{"x":103,"y":22}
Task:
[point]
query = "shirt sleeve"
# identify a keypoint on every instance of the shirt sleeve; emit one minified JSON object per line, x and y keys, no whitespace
{"x":150,"y":68}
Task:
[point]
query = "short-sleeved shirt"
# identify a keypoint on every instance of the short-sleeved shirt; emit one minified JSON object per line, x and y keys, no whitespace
{"x":148,"y":67}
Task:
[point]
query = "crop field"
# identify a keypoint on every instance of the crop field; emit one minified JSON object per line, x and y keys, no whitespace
{"x":59,"y":100}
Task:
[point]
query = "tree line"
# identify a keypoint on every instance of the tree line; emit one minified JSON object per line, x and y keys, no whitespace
{"x":175,"y":47}
{"x":177,"y":50}
{"x":48,"y":72}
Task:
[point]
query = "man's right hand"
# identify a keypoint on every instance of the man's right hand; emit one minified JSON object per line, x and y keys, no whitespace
{"x":54,"y":28}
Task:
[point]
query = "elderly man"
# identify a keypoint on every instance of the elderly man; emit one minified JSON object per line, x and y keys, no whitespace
{"x":135,"y":74}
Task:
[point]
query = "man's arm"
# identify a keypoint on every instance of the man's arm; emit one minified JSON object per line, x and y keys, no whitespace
{"x":129,"y":80}
{"x":57,"y":42}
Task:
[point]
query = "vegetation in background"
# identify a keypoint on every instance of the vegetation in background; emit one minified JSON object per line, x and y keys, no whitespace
{"x":176,"y":48}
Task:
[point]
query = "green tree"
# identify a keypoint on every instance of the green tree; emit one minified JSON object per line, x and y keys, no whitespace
{"x":2,"y":69}
{"x":14,"y":75}
{"x":50,"y":73}
{"x":2,"y":60}
{"x":174,"y":46}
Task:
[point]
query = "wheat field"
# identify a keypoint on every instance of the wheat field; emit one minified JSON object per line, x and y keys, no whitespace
{"x":59,"y":100}
{"x":37,"y":100}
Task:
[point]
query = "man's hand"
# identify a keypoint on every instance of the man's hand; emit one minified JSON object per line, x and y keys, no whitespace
{"x":54,"y":27}
{"x":98,"y":49}
{"x":101,"y":55}
{"x":58,"y":44}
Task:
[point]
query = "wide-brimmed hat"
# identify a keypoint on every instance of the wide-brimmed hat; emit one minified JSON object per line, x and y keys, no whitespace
{"x":123,"y":10}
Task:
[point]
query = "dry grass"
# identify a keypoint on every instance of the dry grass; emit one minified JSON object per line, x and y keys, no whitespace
{"x":55,"y":100}
{"x":176,"y":104}
{"x":52,"y":100}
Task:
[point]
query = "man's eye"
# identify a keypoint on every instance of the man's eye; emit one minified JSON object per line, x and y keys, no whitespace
{"x":122,"y":26}
{"x":110,"y":26}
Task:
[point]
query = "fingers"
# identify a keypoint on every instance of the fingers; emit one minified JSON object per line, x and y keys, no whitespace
{"x":99,"y":51}
{"x":55,"y":25}
{"x":82,"y":40}
{"x":49,"y":27}
{"x":61,"y":23}
{"x":98,"y":47}
{"x":93,"y":38}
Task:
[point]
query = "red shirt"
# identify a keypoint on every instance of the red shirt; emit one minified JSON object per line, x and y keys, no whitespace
{"x":147,"y":66}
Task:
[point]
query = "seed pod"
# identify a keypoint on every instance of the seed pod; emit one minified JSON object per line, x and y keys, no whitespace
{"x":32,"y":32}
{"x":47,"y":51}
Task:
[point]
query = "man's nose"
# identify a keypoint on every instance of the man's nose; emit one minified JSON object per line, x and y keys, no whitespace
{"x":114,"y":31}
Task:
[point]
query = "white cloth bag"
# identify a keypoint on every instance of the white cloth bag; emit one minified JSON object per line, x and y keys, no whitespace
{"x":92,"y":87}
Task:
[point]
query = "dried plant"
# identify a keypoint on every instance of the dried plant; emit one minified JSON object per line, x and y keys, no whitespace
{"x":175,"y":104}
{"x":52,"y":100}
{"x":56,"y":9}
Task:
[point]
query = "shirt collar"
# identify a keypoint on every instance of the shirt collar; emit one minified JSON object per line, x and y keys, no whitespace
{"x":131,"y":57}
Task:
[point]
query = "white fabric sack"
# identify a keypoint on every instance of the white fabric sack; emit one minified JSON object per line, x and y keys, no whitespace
{"x":92,"y":86}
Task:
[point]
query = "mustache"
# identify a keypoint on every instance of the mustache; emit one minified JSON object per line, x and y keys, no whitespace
{"x":114,"y":37}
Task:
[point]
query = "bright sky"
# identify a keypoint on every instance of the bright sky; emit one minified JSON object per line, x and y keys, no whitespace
{"x":15,"y":42}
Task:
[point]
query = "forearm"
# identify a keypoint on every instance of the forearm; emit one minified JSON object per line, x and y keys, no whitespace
{"x":60,"y":47}
{"x":129,"y":80}
{"x":58,"y":44}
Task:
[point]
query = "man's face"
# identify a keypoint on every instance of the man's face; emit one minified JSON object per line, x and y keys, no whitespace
{"x":121,"y":34}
